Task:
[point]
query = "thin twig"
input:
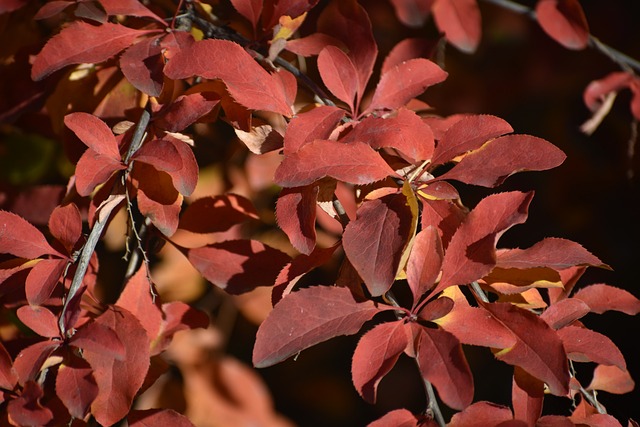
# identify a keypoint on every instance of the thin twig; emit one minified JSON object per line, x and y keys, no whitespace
{"x":475,"y":286}
{"x":102,"y":217}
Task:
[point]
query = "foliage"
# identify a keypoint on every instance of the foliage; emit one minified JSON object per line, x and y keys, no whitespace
{"x":367,"y":180}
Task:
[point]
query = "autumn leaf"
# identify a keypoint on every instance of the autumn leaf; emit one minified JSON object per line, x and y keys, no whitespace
{"x":482,"y":414}
{"x":377,"y":352}
{"x":247,"y":82}
{"x":306,"y":127}
{"x":238,"y":266}
{"x":321,"y":312}
{"x":18,"y":237}
{"x":564,"y":21}
{"x":118,"y":380}
{"x":467,"y":134}
{"x":551,"y":252}
{"x":459,"y":20}
{"x":601,"y":298}
{"x":355,"y":163}
{"x":538,"y":349}
{"x":442,"y":362}
{"x":81,"y":42}
{"x":404,"y":82}
{"x":471,"y":252}
{"x":375,"y":240}
{"x":396,"y":418}
{"x":338,"y":74}
{"x":490,"y":165}
{"x":296,"y":216}
{"x":157,"y":417}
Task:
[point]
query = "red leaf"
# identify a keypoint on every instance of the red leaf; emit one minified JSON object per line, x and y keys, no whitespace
{"x":436,"y":309}
{"x":250,"y":9}
{"x":375,"y":240}
{"x":474,"y":325}
{"x":184,"y":179}
{"x":585,"y":345}
{"x":460,"y":22}
{"x":81,"y":42}
{"x":311,"y":125}
{"x":471,"y":252}
{"x":76,"y":386}
{"x":119,"y":380}
{"x":312,"y":44}
{"x":601,"y":298}
{"x":94,"y":169}
{"x":527,"y":396}
{"x":424,"y":262}
{"x":376,"y":354}
{"x":186,"y":110}
{"x":19,"y":238}
{"x":29,"y":361}
{"x":408,"y":48}
{"x":129,"y":8}
{"x":296,"y":216}
{"x":338,"y":74}
{"x":94,"y":133}
{"x":40,"y":320}
{"x":157,"y":198}
{"x":217,"y":213}
{"x":142,"y":65}
{"x":612,"y":380}
{"x":445,"y":215}
{"x":442,"y":362}
{"x":396,"y":418}
{"x":161,"y":154}
{"x":238,"y":266}
{"x":551,"y":252}
{"x":564,"y":21}
{"x":404,"y":82}
{"x":136,"y":298}
{"x":554,"y":421}
{"x":564,"y":312}
{"x":490,"y":165}
{"x":157,"y":417}
{"x":178,"y":317}
{"x":347,"y":21}
{"x":412,"y":13}
{"x":8,"y":375}
{"x":481,"y":414}
{"x":298,"y":267}
{"x":596,"y":92}
{"x":355,"y":163}
{"x":466,"y":134}
{"x":100,"y":338}
{"x":27,"y":410}
{"x":322,"y":312}
{"x":65,"y":224}
{"x":221,"y":59}
{"x":7,"y":6}
{"x":538,"y":349}
{"x":42,"y":280}
{"x":406,"y":131}
{"x":52,"y":8}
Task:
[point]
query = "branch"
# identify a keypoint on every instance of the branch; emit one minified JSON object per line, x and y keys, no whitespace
{"x":102,"y":217}
{"x":625,"y":62}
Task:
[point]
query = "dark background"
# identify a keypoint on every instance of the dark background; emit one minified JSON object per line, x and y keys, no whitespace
{"x":523,"y":76}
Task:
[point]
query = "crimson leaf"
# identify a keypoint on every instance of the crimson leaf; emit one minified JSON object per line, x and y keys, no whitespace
{"x":321,"y":312}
